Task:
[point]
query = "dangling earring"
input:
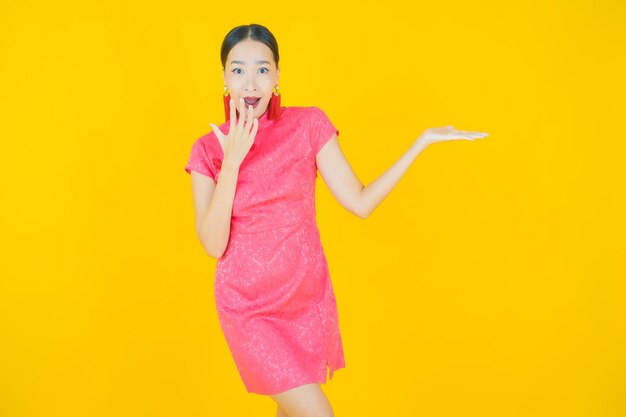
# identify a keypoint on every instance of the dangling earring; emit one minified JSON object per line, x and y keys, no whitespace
{"x":227,"y":103}
{"x":274,"y":105}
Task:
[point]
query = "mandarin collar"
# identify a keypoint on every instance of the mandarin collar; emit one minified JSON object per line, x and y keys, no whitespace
{"x":265,"y":121}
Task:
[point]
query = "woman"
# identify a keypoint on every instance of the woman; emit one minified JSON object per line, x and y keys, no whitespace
{"x":253,"y":183}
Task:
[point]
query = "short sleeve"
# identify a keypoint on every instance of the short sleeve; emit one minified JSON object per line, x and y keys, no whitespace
{"x":199,"y":160}
{"x":322,"y":129}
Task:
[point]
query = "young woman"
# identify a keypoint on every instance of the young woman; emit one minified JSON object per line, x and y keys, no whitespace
{"x":253,"y":182}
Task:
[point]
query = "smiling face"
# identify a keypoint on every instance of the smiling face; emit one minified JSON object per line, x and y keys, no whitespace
{"x":251,"y":72}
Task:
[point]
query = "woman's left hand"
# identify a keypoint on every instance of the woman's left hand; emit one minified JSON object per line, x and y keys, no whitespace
{"x":443,"y":134}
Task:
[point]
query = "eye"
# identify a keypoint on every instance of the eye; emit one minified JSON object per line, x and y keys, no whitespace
{"x":239,"y":69}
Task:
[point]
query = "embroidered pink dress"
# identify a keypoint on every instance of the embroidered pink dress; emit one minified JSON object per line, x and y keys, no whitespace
{"x":275,"y":300}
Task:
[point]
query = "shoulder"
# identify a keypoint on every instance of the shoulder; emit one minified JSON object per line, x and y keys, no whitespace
{"x":304,"y":113}
{"x":310,"y":111}
{"x":209,"y":142}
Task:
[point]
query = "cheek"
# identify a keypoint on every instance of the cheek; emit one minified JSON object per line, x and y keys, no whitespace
{"x":270,"y":92}
{"x":267,"y":86}
{"x":234,"y":82}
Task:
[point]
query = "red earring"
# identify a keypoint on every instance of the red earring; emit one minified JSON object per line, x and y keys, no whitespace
{"x":227,"y":103}
{"x":274,"y":106}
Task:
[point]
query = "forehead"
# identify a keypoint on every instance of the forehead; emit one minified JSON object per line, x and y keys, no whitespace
{"x":248,"y":52}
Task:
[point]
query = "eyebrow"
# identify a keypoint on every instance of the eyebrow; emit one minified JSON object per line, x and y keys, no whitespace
{"x":243,"y":62}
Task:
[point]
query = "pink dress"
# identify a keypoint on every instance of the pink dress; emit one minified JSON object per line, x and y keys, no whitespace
{"x":274,"y":297}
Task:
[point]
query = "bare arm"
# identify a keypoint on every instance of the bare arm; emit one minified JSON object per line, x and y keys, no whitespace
{"x":213,"y":204}
{"x":348,"y":189}
{"x":362,"y":200}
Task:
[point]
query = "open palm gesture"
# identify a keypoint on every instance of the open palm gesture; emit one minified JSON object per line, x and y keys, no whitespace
{"x":443,"y":134}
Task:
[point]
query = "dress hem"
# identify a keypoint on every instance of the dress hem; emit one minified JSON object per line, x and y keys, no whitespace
{"x":324,"y":381}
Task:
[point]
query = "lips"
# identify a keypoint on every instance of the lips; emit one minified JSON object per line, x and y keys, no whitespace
{"x":251,"y":100}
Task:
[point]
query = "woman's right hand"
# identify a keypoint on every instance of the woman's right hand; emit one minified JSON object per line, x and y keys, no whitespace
{"x":240,"y":136}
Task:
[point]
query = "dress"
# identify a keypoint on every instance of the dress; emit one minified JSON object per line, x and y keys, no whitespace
{"x":275,"y":301}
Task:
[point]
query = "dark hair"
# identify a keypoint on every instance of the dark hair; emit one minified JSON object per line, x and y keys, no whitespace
{"x":253,"y":31}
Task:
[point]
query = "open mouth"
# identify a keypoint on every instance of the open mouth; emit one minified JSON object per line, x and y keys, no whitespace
{"x":254,"y":101}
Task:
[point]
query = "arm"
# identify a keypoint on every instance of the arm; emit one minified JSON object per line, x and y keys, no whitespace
{"x":213,"y":203}
{"x":362,"y":200}
{"x":347,"y":188}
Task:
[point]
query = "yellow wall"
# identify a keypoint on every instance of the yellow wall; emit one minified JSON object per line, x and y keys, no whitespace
{"x":490,"y":282}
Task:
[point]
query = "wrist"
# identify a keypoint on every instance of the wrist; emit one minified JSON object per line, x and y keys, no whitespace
{"x":421,"y":142}
{"x":228,"y":164}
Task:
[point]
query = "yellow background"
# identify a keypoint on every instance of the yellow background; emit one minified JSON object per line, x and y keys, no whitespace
{"x":490,"y":282}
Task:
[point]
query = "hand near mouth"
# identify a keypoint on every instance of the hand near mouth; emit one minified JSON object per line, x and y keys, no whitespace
{"x":240,"y":138}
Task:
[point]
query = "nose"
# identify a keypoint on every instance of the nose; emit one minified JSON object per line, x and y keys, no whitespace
{"x":250,"y":84}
